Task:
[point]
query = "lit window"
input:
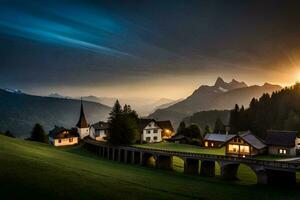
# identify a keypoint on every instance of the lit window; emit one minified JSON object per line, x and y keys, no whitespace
{"x":282,"y":151}
{"x":212,"y":144}
{"x":244,"y":149}
{"x":206,"y":144}
{"x":70,"y":139}
{"x":233,"y":148}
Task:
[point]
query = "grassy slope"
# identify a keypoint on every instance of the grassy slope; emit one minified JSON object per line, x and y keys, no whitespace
{"x":34,"y":170}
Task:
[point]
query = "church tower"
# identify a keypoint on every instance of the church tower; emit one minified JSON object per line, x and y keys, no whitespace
{"x":82,"y":125}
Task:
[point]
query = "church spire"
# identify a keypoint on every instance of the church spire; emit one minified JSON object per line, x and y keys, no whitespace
{"x":82,"y":121}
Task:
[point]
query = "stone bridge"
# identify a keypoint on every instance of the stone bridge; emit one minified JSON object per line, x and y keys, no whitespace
{"x":267,"y":172}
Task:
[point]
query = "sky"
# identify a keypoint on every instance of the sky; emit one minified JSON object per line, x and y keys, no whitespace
{"x":149,"y":49}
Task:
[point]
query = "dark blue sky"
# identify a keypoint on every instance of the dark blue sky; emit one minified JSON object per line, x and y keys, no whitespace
{"x":146,"y":48}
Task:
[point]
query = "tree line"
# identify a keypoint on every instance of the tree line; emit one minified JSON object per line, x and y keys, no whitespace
{"x":279,"y":111}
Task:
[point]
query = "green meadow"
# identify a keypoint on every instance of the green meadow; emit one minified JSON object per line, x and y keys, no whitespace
{"x":30,"y":170}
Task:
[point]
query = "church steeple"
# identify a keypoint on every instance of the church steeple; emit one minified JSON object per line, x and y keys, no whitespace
{"x":82,"y":121}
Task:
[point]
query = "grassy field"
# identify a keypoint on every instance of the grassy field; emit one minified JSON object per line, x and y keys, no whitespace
{"x":183,"y":148}
{"x":39,"y":171}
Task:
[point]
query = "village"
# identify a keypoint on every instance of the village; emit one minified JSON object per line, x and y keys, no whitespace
{"x":243,"y":144}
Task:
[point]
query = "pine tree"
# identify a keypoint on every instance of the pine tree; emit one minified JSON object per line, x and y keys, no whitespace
{"x":219,"y":126}
{"x":38,"y":134}
{"x":181,"y":128}
{"x":206,"y":130}
{"x":234,"y":120}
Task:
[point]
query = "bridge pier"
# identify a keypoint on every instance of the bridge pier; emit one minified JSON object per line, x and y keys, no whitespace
{"x":229,"y":170}
{"x":191,"y":166}
{"x":164,"y":162}
{"x":207,"y":168}
{"x":132,"y":161}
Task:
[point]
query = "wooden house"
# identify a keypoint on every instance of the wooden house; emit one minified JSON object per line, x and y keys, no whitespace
{"x":61,"y":136}
{"x":245,"y":145}
{"x":216,"y":140}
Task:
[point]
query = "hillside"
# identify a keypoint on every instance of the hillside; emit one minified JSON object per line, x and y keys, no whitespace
{"x":19,"y":112}
{"x":40,"y":171}
{"x":209,"y":118}
{"x":220,"y":96}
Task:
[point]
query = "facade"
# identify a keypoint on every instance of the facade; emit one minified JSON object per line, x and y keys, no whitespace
{"x":245,"y":145}
{"x":150,"y":131}
{"x":99,"y":131}
{"x":215,"y":140}
{"x":60,"y":136}
{"x":283,"y":142}
{"x":82,"y":126}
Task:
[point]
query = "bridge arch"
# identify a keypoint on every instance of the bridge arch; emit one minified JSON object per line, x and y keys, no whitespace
{"x":148,"y":159}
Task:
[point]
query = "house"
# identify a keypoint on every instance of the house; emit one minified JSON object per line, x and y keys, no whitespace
{"x":167,"y":129}
{"x":99,"y":131}
{"x":245,"y":145}
{"x":60,"y":136}
{"x":215,"y":140}
{"x":152,"y":130}
{"x":282,"y":142}
{"x":82,"y":126}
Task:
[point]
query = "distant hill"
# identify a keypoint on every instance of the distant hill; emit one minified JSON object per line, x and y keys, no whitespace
{"x":220,"y":96}
{"x":209,"y":118}
{"x":19,"y":112}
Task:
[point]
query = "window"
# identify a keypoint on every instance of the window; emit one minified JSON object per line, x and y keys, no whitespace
{"x":244,"y":149}
{"x":148,"y":139}
{"x":59,"y":141}
{"x":206,"y":143}
{"x":148,"y":131}
{"x":155,"y":138}
{"x":212,"y":144}
{"x":233,"y":148}
{"x":70,"y":139}
{"x":155,"y":131}
{"x":282,"y":151}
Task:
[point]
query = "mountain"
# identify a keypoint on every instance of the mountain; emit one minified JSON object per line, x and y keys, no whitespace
{"x":169,"y":103}
{"x":19,"y":112}
{"x":220,"y":96}
{"x":56,"y":95}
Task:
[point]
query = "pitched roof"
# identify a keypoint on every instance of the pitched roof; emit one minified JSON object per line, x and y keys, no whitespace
{"x":82,"y":123}
{"x":144,"y":122}
{"x":252,"y":140}
{"x":61,"y":132}
{"x":165,"y":125}
{"x":100,"y":125}
{"x":218,"y":137}
{"x":281,"y":138}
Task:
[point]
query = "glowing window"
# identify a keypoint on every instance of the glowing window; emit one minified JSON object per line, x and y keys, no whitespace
{"x":206,"y":144}
{"x":212,"y":144}
{"x":233,"y":148}
{"x":244,"y":149}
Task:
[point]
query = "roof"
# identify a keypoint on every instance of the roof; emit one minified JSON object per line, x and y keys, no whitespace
{"x":144,"y":122}
{"x":252,"y":140}
{"x":82,"y":120}
{"x":218,"y":137}
{"x":165,"y":125}
{"x":281,"y":138}
{"x":61,"y":132}
{"x":100,"y":125}
{"x":178,"y":137}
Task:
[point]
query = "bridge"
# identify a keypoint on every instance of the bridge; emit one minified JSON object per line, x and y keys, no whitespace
{"x":267,"y":172}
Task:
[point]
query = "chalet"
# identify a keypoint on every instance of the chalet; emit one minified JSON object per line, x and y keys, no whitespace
{"x":215,"y":140}
{"x":282,"y":142}
{"x":152,"y":130}
{"x":245,"y":145}
{"x":167,"y":129}
{"x":82,"y":126}
{"x":99,"y":130}
{"x":60,"y":136}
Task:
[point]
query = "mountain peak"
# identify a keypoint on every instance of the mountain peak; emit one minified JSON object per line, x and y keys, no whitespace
{"x":220,"y":82}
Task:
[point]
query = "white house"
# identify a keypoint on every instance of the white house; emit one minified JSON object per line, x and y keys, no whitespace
{"x":60,"y":136}
{"x":99,"y":130}
{"x":154,"y":131}
{"x":82,"y":126}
